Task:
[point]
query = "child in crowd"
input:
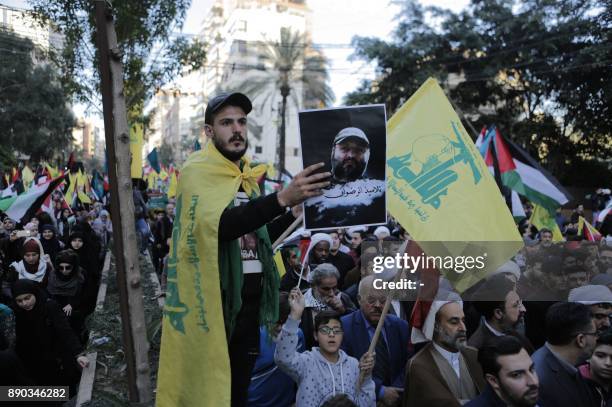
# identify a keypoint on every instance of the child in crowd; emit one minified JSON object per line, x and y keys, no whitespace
{"x":325,"y":371}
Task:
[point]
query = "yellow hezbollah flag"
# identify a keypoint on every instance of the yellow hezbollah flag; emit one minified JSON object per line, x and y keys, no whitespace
{"x":54,"y":172}
{"x":194,"y":367}
{"x":172,"y":186}
{"x":280,"y":264}
{"x":83,"y":181}
{"x":82,"y":187}
{"x":136,"y":142}
{"x":440,"y":190}
{"x":71,"y":187}
{"x":152,"y":180}
{"x":27,"y":176}
{"x":83,"y":197}
{"x":542,"y":219}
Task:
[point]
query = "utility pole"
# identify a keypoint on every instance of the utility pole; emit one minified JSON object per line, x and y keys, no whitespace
{"x":135,"y":342}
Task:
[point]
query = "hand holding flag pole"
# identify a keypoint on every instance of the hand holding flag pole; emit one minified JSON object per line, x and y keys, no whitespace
{"x":383,"y":315}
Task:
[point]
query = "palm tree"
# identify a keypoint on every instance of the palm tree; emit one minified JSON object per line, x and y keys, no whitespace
{"x":283,"y":65}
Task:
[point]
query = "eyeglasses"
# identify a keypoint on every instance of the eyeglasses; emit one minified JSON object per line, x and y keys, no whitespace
{"x":65,"y":267}
{"x":326,"y":330}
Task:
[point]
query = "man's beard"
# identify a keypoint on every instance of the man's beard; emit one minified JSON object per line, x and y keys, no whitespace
{"x":347,"y":173}
{"x":522,"y":401}
{"x":452,"y":341}
{"x":231,"y":155}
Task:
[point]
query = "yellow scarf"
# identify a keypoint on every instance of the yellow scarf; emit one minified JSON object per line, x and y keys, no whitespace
{"x":194,"y":367}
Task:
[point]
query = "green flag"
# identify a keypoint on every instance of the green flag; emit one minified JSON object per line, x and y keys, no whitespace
{"x":154,"y":160}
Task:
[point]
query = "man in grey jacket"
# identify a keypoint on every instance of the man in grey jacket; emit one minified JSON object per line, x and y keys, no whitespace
{"x":325,"y":371}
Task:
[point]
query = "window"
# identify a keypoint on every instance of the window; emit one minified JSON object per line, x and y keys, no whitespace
{"x":239,"y":46}
{"x":284,"y":31}
{"x":296,"y":152}
{"x":258,"y":150}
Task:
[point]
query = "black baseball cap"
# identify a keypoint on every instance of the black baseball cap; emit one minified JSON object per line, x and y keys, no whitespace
{"x":224,"y":99}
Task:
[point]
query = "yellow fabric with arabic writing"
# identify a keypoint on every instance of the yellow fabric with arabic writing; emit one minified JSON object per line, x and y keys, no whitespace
{"x":440,"y":190}
{"x":172,"y":186}
{"x":136,"y":143}
{"x":194,"y":365}
{"x":541,"y":218}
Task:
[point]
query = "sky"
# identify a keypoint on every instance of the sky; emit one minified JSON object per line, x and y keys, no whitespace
{"x":337,"y":22}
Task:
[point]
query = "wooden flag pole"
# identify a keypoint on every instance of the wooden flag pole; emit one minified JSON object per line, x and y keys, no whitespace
{"x":383,"y":315}
{"x":287,"y":232}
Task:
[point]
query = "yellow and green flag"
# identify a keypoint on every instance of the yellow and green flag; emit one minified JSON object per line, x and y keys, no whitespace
{"x":136,"y":143}
{"x":69,"y":195}
{"x":152,"y":179}
{"x":27,"y":176}
{"x":54,"y":172}
{"x":172,"y":186}
{"x":541,"y":218}
{"x":440,"y":190}
{"x":280,"y":264}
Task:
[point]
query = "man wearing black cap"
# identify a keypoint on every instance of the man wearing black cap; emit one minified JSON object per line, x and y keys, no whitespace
{"x":226,"y":127}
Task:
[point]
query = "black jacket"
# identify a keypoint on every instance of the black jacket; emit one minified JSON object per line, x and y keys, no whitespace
{"x":234,"y":223}
{"x":46,"y":344}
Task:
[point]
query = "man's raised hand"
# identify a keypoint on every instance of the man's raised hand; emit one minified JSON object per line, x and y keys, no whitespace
{"x":303,"y":186}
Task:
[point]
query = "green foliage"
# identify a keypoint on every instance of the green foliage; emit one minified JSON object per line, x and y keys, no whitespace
{"x":151,"y":55}
{"x":538,"y":69}
{"x":34,"y":110}
{"x":165,"y":154}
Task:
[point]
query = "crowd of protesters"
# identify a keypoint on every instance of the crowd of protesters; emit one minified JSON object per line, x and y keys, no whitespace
{"x":534,"y":332}
{"x":50,"y":268}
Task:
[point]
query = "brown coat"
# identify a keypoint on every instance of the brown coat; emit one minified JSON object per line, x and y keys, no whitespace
{"x":425,"y":386}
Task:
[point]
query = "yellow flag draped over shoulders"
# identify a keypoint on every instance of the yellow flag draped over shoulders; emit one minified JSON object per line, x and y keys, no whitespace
{"x":440,"y":189}
{"x":194,"y":365}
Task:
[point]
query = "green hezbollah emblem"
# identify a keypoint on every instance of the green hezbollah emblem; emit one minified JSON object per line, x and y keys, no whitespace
{"x":428,"y":167}
{"x":174,"y":308}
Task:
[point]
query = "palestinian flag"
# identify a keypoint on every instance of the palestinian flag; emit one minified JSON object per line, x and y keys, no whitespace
{"x":8,"y":192}
{"x":518,"y":212}
{"x":520,"y":172}
{"x":601,"y":216}
{"x":588,"y":231}
{"x":6,"y":203}
{"x":26,"y":205}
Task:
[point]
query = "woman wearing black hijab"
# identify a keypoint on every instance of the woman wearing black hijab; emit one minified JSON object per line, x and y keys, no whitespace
{"x":66,"y":286}
{"x":63,"y":224}
{"x":48,"y":348}
{"x":50,"y":243}
{"x":79,"y":244}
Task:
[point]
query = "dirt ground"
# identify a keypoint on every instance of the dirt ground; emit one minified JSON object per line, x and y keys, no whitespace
{"x":110,"y":386}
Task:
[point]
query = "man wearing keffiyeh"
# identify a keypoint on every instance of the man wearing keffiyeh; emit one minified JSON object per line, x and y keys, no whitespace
{"x":222,"y":281}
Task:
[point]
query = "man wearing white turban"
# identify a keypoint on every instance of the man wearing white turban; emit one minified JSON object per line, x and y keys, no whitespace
{"x":445,"y":372}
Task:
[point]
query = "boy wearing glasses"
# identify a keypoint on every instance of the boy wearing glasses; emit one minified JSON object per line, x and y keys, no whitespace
{"x":325,"y":371}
